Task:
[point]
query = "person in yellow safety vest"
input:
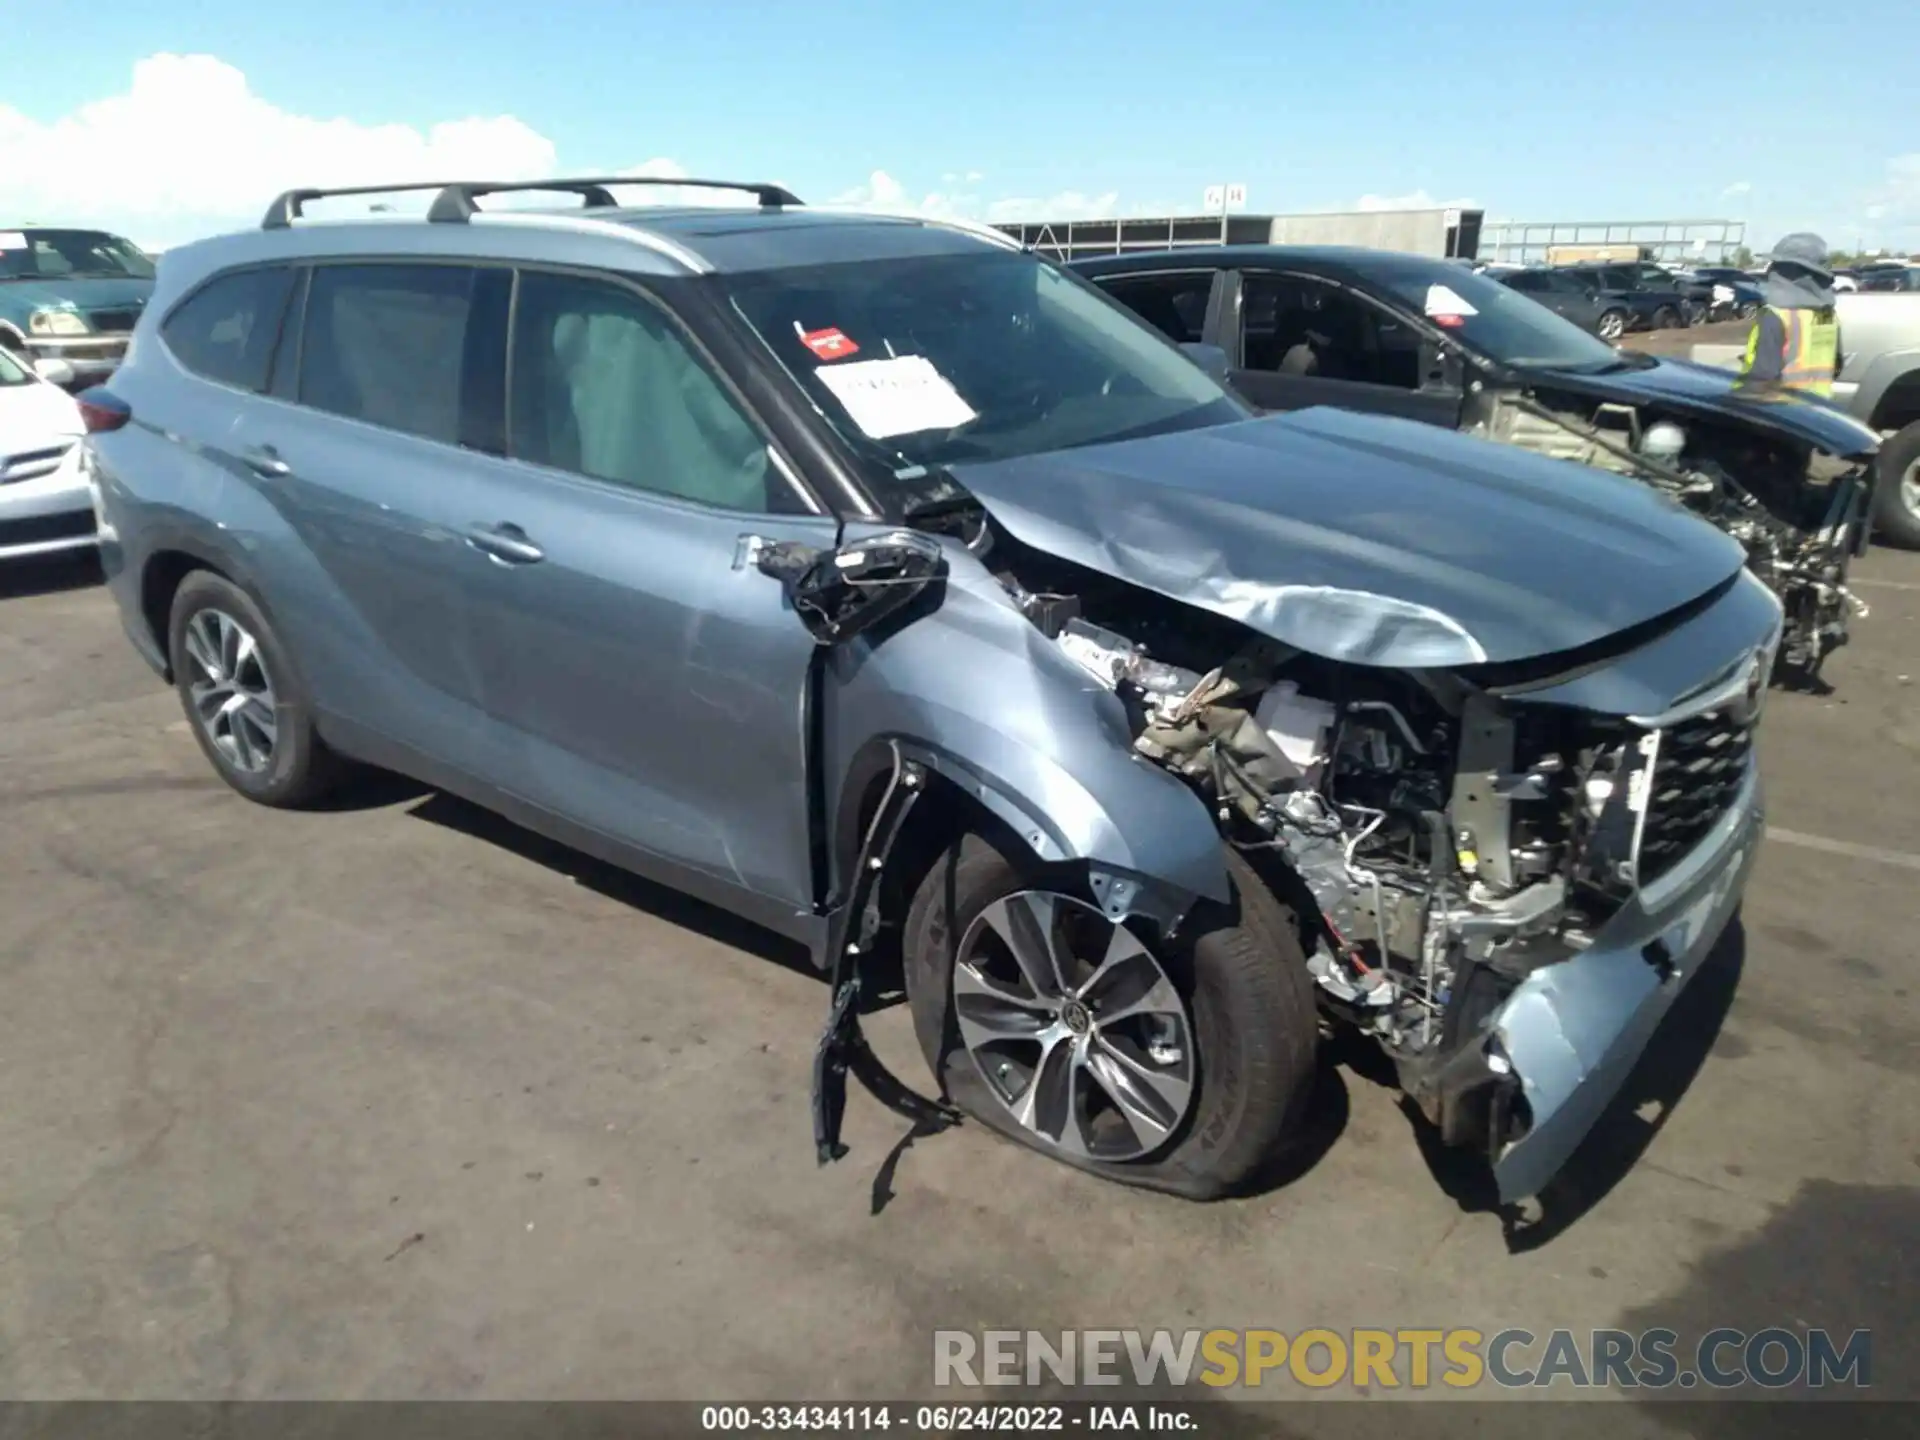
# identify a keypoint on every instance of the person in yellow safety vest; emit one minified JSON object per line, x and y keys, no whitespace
{"x":1795,"y":340}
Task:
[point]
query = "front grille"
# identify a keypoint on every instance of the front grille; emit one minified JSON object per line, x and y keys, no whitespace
{"x":112,"y":322}
{"x":73,"y":525}
{"x":1697,"y":774}
{"x":32,"y":464}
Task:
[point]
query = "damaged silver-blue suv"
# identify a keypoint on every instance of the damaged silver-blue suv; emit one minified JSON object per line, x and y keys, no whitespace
{"x":888,"y":585}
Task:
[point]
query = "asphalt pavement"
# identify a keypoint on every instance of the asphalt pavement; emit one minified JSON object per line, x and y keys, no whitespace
{"x":396,"y":1100}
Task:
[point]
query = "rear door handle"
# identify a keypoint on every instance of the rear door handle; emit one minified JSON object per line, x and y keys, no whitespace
{"x":505,"y":544}
{"x":265,"y":460}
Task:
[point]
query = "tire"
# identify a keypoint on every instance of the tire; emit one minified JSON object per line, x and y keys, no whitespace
{"x":1249,"y":1049}
{"x":1896,"y":516}
{"x":247,"y":709}
{"x":1611,"y":326}
{"x":1665,"y":319}
{"x":1746,"y":312}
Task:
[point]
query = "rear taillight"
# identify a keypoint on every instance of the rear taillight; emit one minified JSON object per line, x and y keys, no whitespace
{"x":101,"y":409}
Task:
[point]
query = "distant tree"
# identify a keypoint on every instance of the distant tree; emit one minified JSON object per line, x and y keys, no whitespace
{"x":1741,"y":259}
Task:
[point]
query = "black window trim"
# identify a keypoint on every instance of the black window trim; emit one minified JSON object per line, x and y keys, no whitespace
{"x":296,"y":301}
{"x":795,"y":477}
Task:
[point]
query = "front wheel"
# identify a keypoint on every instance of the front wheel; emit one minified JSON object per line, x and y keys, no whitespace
{"x":1180,"y":1067}
{"x":1897,"y":496}
{"x":1613,"y":324}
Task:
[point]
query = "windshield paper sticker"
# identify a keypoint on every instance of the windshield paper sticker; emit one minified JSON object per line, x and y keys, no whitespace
{"x":827,"y":344}
{"x":899,"y":396}
{"x":12,"y":240}
{"x":1443,"y":303}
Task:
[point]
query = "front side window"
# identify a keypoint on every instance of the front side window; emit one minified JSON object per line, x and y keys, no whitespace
{"x":603,"y":385}
{"x":386,"y":344}
{"x":1296,"y":325}
{"x":979,"y":355}
{"x":76,"y":254}
{"x":225,"y":331}
{"x":12,"y":372}
{"x":1528,"y":282}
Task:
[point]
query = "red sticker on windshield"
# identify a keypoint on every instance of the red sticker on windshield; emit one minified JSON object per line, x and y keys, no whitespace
{"x":828,"y":344}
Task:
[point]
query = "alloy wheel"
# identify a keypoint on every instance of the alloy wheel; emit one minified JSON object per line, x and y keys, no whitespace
{"x":1074,"y":1026}
{"x":1910,"y":489}
{"x":1612,"y":327}
{"x":231,"y":692}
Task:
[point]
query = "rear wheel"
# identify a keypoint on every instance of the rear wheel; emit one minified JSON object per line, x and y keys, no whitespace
{"x":1612,"y":325}
{"x":1897,"y":498}
{"x":1664,"y":318}
{"x":1180,"y":1067}
{"x":242,"y":696}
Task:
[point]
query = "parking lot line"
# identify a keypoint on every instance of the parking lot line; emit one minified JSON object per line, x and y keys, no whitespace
{"x":1904,"y":858}
{"x":1884,"y":584}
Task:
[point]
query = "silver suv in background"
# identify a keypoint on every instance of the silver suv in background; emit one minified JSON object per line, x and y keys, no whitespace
{"x":1879,"y":384}
{"x":894,"y":588}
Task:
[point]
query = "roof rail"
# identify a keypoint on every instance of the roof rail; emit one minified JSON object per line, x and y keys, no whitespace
{"x":454,"y":204}
{"x":290,"y":205}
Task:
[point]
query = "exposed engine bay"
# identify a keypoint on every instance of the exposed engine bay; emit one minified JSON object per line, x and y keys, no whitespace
{"x":1438,"y":843}
{"x":1799,"y":514}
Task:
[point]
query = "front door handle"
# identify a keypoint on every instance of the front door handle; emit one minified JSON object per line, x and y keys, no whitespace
{"x":265,"y":460}
{"x":505,"y":544}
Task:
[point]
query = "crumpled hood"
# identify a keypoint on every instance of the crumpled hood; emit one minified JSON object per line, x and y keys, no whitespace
{"x":1708,"y":389}
{"x":1520,"y":556}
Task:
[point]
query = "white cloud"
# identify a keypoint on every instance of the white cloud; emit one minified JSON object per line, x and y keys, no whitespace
{"x":1738,"y":187}
{"x":1417,"y":200}
{"x":882,"y":193}
{"x":189,"y":149}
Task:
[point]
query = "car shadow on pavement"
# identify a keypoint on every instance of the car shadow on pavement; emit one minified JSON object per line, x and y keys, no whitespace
{"x":673,"y":906}
{"x":49,"y":574}
{"x":1836,"y":1258}
{"x":1624,"y":1131}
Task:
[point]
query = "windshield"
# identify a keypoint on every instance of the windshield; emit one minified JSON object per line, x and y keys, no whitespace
{"x":76,"y":254}
{"x":984,"y":355}
{"x":1498,"y":322}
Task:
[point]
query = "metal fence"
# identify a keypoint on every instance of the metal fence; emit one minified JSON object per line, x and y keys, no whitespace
{"x":1526,"y":242}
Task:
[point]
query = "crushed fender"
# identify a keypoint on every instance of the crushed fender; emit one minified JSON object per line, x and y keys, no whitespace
{"x":843,"y":1047}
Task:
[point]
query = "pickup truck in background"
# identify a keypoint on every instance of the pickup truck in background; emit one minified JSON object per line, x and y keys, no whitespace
{"x":1879,"y":384}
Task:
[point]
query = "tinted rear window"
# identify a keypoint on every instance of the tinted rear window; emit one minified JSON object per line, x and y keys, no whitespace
{"x":225,"y":330}
{"x":384,"y":344}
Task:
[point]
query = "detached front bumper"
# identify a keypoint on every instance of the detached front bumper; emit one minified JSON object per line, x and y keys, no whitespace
{"x":1572,"y":1031}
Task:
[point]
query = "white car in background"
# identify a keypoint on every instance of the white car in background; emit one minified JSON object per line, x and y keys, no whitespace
{"x":46,"y":504}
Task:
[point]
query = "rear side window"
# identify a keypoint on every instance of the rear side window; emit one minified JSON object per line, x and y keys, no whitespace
{"x":1528,"y":282}
{"x":386,"y":344}
{"x":225,"y":331}
{"x":1175,"y":305}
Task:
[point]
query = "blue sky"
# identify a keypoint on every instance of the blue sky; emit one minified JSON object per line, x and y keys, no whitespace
{"x":1621,"y":110}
